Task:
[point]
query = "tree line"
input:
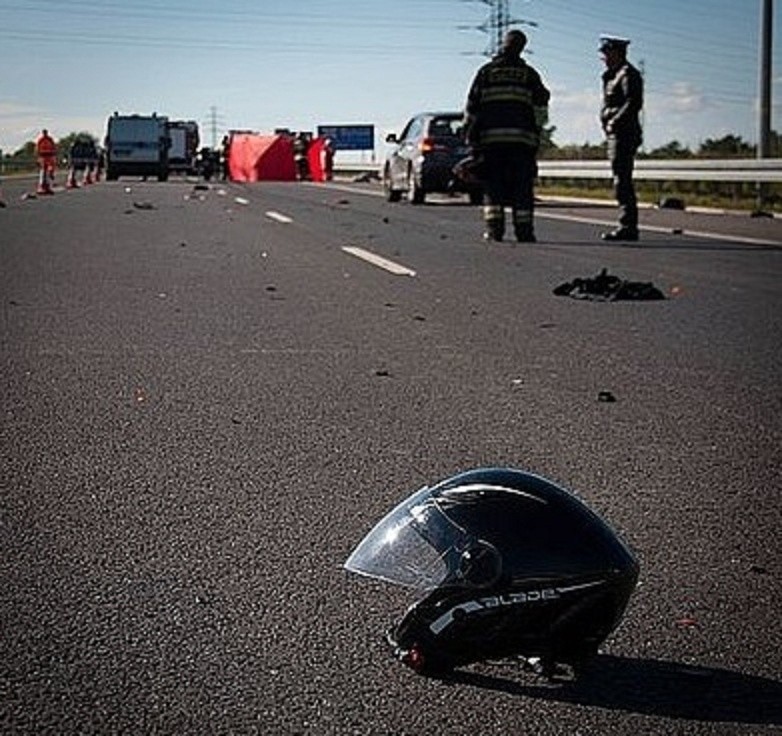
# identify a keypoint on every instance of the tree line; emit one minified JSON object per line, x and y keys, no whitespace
{"x":729,"y":146}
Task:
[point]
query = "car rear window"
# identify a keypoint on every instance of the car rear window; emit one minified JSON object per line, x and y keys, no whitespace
{"x":446,"y":127}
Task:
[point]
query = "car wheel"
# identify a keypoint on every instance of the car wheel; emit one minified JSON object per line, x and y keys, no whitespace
{"x":415,"y":194}
{"x":392,"y":195}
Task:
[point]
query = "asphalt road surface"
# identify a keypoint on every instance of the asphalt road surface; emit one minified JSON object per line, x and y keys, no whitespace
{"x":209,"y":396}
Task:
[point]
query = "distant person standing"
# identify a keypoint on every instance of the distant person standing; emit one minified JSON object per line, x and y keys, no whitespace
{"x":623,"y":98}
{"x":225,"y":158}
{"x":301,"y":144}
{"x":506,"y":107}
{"x":327,"y":159}
{"x":46,"y":151}
{"x":100,"y":164}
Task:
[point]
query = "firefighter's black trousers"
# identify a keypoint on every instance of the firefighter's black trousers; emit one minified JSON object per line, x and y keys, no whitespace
{"x":510,"y":172}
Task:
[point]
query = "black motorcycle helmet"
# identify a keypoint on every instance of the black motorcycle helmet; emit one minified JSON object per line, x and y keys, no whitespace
{"x":509,"y":564}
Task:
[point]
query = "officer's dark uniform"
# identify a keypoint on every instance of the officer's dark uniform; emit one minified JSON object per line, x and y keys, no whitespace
{"x":506,"y":106}
{"x":623,"y":97}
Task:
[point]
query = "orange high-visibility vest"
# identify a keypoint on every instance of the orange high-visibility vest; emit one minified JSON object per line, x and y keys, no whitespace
{"x":46,"y":147}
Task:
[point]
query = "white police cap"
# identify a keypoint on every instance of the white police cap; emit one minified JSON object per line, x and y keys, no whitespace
{"x":607,"y":43}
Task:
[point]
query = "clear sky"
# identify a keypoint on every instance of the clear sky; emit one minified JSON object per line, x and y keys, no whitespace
{"x":262,"y":64}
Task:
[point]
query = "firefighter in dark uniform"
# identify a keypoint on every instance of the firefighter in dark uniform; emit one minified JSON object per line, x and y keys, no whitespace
{"x":506,"y":108}
{"x":623,"y":98}
{"x":301,"y":144}
{"x":225,"y":158}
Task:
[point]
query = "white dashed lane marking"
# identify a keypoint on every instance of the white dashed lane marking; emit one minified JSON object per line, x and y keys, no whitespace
{"x":376,"y":260}
{"x":395,"y":268}
{"x":278,"y":216}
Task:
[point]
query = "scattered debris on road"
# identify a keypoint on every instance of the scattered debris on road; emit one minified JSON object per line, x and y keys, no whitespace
{"x":367,"y":177}
{"x":672,"y":203}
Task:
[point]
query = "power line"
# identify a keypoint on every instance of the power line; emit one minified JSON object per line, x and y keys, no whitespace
{"x":128,"y":40}
{"x":227,"y":16}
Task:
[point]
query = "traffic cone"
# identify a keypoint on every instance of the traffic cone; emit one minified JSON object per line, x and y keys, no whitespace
{"x":70,"y":183}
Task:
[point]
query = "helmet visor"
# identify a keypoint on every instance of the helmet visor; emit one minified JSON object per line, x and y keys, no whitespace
{"x":416,"y":545}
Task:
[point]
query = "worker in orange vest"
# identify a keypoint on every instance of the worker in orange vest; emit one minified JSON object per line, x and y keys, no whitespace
{"x":46,"y":150}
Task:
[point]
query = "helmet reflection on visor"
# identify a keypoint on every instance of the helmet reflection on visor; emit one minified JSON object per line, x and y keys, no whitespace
{"x":506,"y":563}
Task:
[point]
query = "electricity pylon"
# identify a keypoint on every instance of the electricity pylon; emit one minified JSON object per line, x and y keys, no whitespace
{"x":497,"y":24}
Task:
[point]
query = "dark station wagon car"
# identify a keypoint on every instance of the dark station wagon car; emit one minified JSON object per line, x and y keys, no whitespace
{"x":424,"y":156}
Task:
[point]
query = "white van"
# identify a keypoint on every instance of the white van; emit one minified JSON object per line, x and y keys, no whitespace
{"x":137,"y":145}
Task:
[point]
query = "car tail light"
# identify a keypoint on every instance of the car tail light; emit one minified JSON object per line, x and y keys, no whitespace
{"x":428,"y":145}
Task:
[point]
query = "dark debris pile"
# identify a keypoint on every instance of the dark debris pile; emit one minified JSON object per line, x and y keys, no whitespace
{"x":605,"y":287}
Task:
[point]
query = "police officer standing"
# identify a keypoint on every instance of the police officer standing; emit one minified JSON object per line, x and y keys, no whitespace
{"x":623,"y":98}
{"x":506,"y":107}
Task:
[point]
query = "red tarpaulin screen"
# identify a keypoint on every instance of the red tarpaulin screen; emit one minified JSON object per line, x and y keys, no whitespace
{"x":261,"y":158}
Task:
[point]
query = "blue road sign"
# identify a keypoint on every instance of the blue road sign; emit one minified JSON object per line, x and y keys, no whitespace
{"x":349,"y":137}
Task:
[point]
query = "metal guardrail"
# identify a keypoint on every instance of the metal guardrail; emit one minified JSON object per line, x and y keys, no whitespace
{"x":721,"y":170}
{"x":768,"y":170}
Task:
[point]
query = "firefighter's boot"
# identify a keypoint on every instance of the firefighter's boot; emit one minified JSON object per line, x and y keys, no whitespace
{"x":494,"y":220}
{"x":523,"y":226}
